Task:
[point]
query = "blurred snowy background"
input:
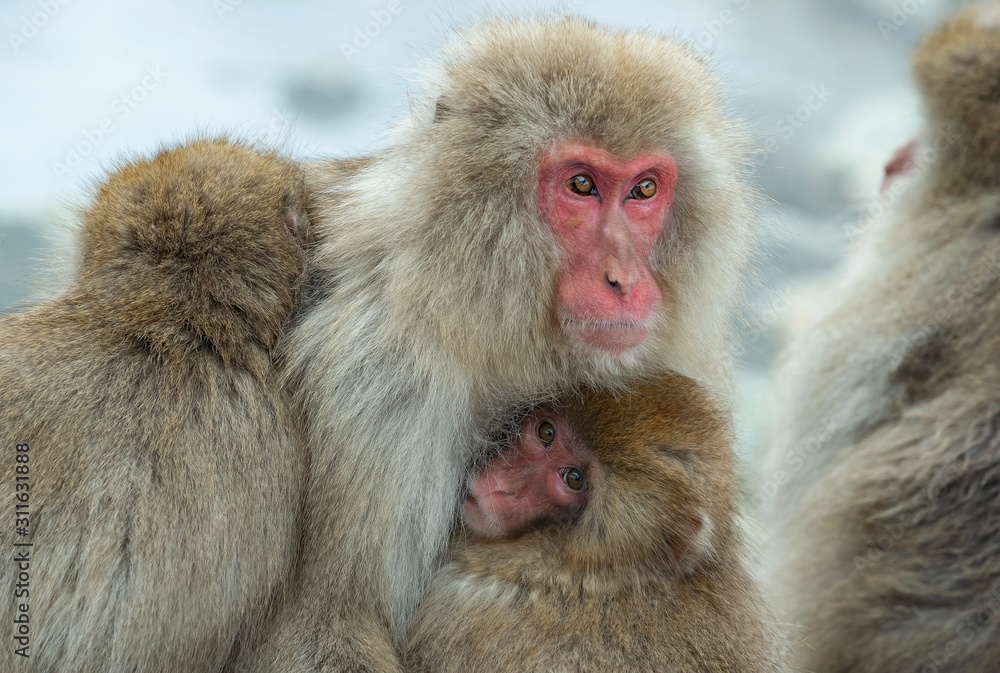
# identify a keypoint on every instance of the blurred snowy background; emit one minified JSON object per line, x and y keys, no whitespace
{"x":83,"y":83}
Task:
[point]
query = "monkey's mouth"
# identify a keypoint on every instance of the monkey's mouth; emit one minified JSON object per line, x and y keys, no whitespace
{"x":614,"y":337}
{"x":476,"y":520}
{"x":472,"y":510}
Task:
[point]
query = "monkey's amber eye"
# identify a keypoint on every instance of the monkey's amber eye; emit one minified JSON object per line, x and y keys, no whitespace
{"x":574,"y":478}
{"x":546,"y":433}
{"x":644,"y":190}
{"x":581,"y":184}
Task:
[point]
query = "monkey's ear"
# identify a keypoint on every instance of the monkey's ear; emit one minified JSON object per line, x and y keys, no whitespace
{"x":901,"y":162}
{"x":296,"y":220}
{"x":688,"y":528}
{"x":441,"y":110}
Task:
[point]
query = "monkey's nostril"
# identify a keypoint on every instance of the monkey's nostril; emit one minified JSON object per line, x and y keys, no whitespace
{"x":618,"y":287}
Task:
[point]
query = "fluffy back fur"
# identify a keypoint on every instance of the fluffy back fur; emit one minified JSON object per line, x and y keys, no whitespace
{"x":164,"y":474}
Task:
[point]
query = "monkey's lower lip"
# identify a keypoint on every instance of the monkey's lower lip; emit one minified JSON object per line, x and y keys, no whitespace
{"x":612,"y":337}
{"x":474,"y":516}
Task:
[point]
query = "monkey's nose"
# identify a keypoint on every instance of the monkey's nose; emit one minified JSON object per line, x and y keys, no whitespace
{"x":622,"y":280}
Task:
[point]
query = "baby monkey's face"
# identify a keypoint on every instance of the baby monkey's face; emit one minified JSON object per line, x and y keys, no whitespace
{"x":542,"y":477}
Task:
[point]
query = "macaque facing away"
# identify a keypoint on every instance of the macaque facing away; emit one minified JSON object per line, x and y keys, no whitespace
{"x":603,"y":538}
{"x":155,"y":449}
{"x":885,"y":531}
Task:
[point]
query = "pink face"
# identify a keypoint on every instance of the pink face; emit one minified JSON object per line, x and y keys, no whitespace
{"x":542,"y":475}
{"x":606,"y":215}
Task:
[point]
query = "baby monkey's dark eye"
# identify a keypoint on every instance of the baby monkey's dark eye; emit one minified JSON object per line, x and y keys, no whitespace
{"x":546,"y":433}
{"x":574,"y":478}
